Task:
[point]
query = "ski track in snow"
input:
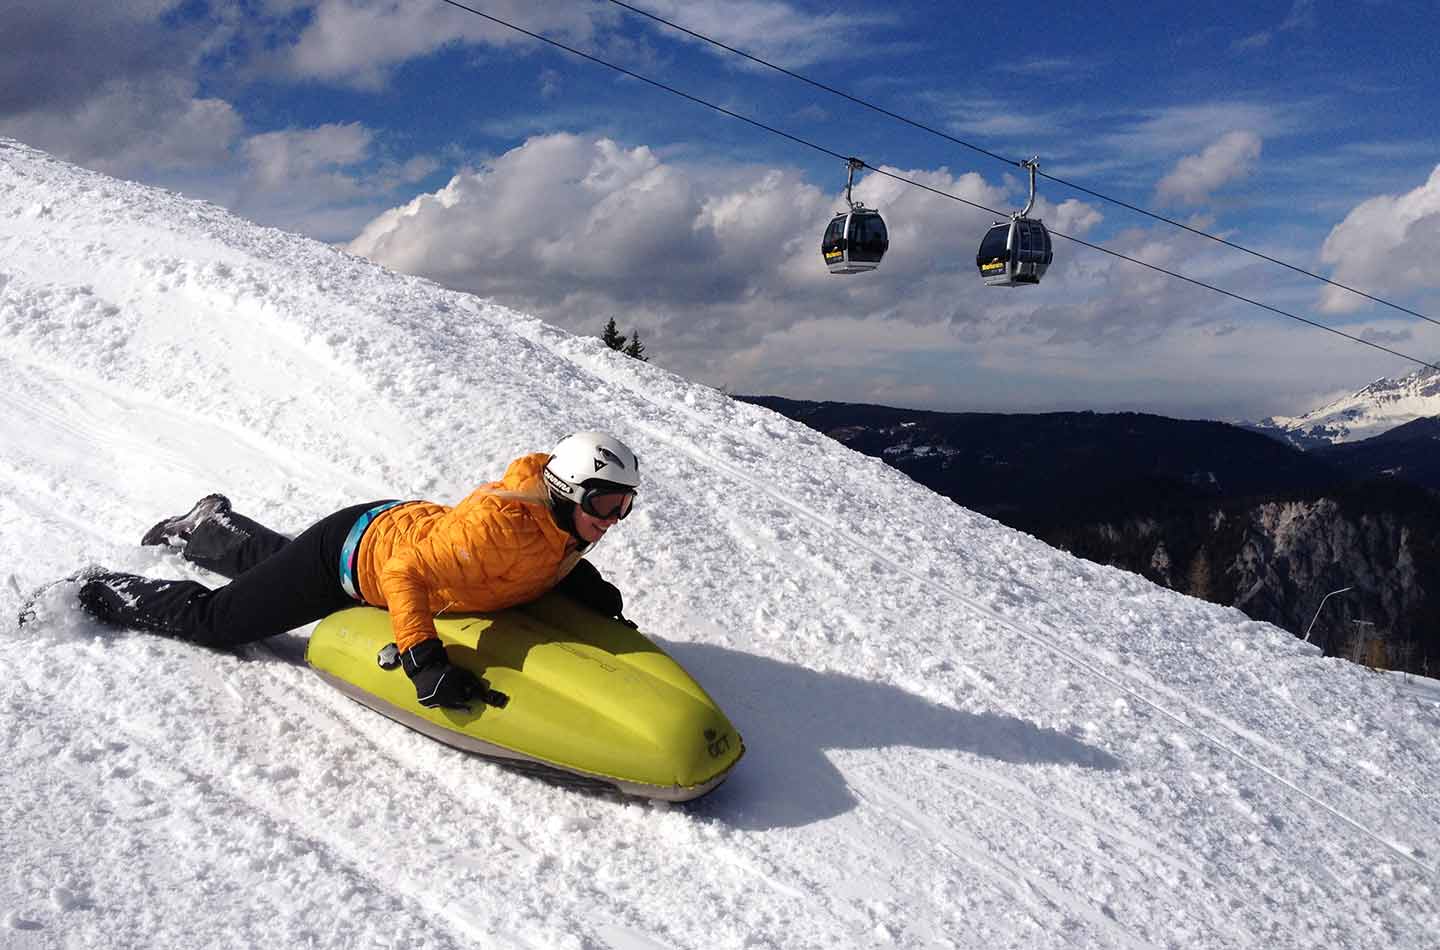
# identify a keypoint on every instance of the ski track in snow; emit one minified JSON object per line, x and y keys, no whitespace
{"x":956,"y":736}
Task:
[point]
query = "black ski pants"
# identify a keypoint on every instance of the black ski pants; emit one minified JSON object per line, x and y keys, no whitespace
{"x":277,"y":583}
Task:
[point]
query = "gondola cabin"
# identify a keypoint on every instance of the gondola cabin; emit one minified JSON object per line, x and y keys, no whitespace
{"x":855,"y":241}
{"x":1014,"y":252}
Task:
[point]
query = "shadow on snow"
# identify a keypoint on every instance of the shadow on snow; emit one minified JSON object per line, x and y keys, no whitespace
{"x":790,"y":716}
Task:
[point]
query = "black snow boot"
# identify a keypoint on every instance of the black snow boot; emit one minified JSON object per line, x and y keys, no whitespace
{"x":176,"y":531}
{"x":142,"y":603}
{"x":102,"y":594}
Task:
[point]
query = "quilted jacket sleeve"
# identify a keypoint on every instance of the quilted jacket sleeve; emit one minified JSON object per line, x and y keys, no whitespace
{"x":462,"y":554}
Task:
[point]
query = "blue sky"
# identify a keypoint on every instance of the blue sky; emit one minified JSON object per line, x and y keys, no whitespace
{"x":441,"y":144}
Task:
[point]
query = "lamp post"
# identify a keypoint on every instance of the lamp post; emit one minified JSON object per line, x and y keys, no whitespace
{"x":1322,"y":607}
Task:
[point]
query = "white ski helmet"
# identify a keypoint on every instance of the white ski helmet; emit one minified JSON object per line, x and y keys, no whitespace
{"x":590,"y":460}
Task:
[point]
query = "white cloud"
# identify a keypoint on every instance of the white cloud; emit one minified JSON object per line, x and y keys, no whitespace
{"x":326,"y":181}
{"x":1072,"y":216}
{"x":280,"y":158}
{"x":564,"y":209}
{"x":1192,"y":127}
{"x":1386,"y":245}
{"x":1195,"y":177}
{"x":133,"y":127}
{"x":358,"y":42}
{"x":111,"y":86}
{"x":558,"y":204}
{"x":973,"y":113}
{"x":777,"y":32}
{"x":117,"y":87}
{"x":1062,"y":67}
{"x":1301,"y":15}
{"x":720,"y":267}
{"x":54,"y":56}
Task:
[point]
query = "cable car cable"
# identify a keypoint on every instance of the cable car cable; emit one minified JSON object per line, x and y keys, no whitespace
{"x":983,"y":151}
{"x":1263,"y":306}
{"x":818,"y":85}
{"x":901,"y":178}
{"x":1241,"y":247}
{"x":1179,"y":276}
{"x":654,"y":82}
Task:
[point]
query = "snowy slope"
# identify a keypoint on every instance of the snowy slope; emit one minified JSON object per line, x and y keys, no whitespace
{"x":1377,"y":408}
{"x":957,"y":736}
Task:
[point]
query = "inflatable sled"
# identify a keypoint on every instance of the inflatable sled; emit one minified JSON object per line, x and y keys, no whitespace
{"x":584,"y":701}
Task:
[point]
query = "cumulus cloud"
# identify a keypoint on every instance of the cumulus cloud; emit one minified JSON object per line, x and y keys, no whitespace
{"x":326,"y":181}
{"x":564,"y":219}
{"x":130,"y":127}
{"x":277,"y":158}
{"x":55,"y":56}
{"x":116,"y":87}
{"x":1195,"y":177}
{"x":720,"y":267}
{"x":1071,"y":216}
{"x":562,"y":211}
{"x":111,"y":85}
{"x":1390,"y":242}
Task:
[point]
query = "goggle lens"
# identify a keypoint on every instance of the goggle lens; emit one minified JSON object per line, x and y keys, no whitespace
{"x":608,"y":504}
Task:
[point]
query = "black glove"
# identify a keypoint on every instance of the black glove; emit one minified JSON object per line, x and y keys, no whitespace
{"x":585,"y":586}
{"x":438,"y":682}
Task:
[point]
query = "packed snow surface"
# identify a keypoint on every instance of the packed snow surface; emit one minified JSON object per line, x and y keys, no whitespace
{"x":957,"y":736}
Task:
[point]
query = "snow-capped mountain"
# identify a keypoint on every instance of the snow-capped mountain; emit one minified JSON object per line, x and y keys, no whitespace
{"x":956,"y":735}
{"x":1379,"y":407}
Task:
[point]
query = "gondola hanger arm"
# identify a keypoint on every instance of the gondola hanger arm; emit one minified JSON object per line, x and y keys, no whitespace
{"x":1033,"y":164}
{"x":853,"y":165}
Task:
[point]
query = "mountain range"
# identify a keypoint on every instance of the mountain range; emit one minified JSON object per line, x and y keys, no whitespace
{"x":1372,"y":410}
{"x":1009,"y":463}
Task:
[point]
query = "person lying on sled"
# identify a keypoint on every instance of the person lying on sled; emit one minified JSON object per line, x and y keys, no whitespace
{"x":506,"y":544}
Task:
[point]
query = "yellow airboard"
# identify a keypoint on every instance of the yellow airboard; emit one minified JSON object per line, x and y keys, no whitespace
{"x":588,"y":697}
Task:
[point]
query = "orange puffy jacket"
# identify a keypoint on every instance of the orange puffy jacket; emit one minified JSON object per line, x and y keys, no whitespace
{"x":497,"y":548}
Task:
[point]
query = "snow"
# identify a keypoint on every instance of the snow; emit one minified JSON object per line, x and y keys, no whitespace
{"x":957,"y":736}
{"x":1377,"y":408}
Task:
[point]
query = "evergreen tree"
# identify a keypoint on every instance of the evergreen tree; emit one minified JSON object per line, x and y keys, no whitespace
{"x":635,"y":348}
{"x":612,"y":337}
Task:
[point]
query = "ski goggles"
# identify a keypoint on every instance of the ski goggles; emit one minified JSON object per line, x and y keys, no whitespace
{"x":607,"y":503}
